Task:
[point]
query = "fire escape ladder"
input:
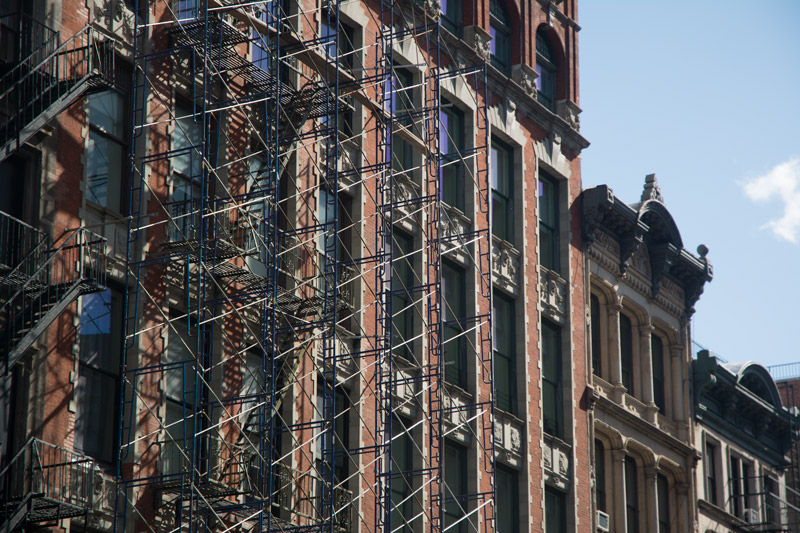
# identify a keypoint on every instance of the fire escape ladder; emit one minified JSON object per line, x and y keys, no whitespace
{"x":45,"y":483}
{"x":39,"y":88}
{"x":77,"y":266}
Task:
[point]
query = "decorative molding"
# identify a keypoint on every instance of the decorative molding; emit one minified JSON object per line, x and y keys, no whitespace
{"x":526,"y":77}
{"x":553,"y":292}
{"x":480,"y":40}
{"x":555,"y":455}
{"x":505,"y":265}
{"x":508,"y":432}
{"x":570,"y":112}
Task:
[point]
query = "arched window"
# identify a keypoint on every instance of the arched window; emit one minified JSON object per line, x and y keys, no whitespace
{"x":631,"y":495}
{"x":500,"y":31}
{"x":546,"y":67}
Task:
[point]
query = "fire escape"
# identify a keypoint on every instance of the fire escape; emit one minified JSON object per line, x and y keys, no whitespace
{"x":40,"y":276}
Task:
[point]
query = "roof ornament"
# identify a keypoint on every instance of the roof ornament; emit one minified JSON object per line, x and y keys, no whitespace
{"x":651,"y":189}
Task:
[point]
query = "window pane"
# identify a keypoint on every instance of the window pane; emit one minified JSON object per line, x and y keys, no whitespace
{"x":402,"y":505}
{"x":596,"y":342}
{"x":187,"y":133}
{"x":507,"y":500}
{"x":626,"y":349}
{"x":502,"y":204}
{"x":631,"y":495}
{"x":658,"y":372}
{"x":100,"y":330}
{"x":106,"y":112}
{"x":104,"y":160}
{"x":600,"y":474}
{"x":548,"y":222}
{"x":555,"y":504}
{"x":455,"y":466}
{"x":551,"y":379}
{"x":95,"y":414}
{"x":503,"y":338}
{"x":663,"y":504}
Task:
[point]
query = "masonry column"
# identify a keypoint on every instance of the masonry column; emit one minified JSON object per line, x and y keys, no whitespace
{"x":618,"y":512}
{"x":682,"y":493}
{"x":651,"y":497}
{"x":646,"y":356}
{"x":676,"y":351}
{"x":614,"y":355}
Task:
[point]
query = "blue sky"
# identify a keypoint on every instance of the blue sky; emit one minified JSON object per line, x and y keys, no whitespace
{"x":706,"y":95}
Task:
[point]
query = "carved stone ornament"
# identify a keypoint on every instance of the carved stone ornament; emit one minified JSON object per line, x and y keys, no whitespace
{"x":526,"y":77}
{"x":433,"y":8}
{"x":652,"y":191}
{"x":481,"y":41}
{"x":570,"y":112}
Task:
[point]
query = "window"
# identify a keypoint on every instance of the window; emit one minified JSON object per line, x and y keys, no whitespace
{"x":600,"y":475}
{"x":551,"y":380}
{"x":335,"y":225}
{"x":502,"y":191}
{"x":402,"y":468}
{"x":402,"y":101}
{"x":555,"y":510}
{"x":454,"y":312}
{"x":507,"y":500}
{"x":451,"y":15}
{"x":451,"y":146}
{"x":179,"y":436}
{"x":657,"y":346}
{"x":594,"y":309}
{"x":741,"y":480}
{"x":662,"y":488}
{"x":96,"y":391}
{"x":503,"y":316}
{"x":455,"y":487}
{"x":185,"y":201}
{"x":402,"y":301}
{"x":772,"y":504}
{"x":631,"y":496}
{"x":710,"y":461}
{"x":339,"y":45}
{"x":626,"y":351}
{"x":256,"y":236}
{"x":187,"y":141}
{"x":253,"y":386}
{"x":186,"y":9}
{"x":546,"y":67}
{"x":106,"y":151}
{"x":548,"y":223}
{"x":500,"y":32}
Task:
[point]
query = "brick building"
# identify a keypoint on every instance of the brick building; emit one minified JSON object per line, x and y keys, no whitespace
{"x":293,"y":265}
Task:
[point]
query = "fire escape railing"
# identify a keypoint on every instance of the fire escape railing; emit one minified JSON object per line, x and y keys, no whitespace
{"x":47,"y":284}
{"x":45,"y":482}
{"x":42,"y":85}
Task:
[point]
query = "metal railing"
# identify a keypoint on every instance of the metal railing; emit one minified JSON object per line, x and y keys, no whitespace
{"x":42,"y":80}
{"x":23,"y":249}
{"x":30,"y":38}
{"x":49,"y":471}
{"x":784,"y":371}
{"x":76,"y":266}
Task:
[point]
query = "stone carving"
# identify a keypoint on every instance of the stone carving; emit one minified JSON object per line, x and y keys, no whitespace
{"x":556,"y":456}
{"x":480,"y":40}
{"x":570,"y":112}
{"x":505,"y":265}
{"x":553,"y":295}
{"x":526,"y":78}
{"x":433,"y":8}
{"x":652,"y":191}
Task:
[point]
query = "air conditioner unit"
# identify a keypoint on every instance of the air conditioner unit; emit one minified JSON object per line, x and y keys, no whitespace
{"x":751,"y":516}
{"x":603,"y":522}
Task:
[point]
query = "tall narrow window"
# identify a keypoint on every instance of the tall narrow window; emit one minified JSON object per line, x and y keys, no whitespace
{"x":186,"y":9}
{"x":600,"y":475}
{"x":451,"y":15}
{"x":555,"y":510}
{"x":548,"y":222}
{"x":500,"y":32}
{"x":402,"y":467}
{"x":455,"y":310}
{"x":631,"y":495}
{"x":178,"y":444}
{"x":546,"y":67}
{"x":187,"y":164}
{"x":710,"y":461}
{"x":662,"y":487}
{"x":455,"y":487}
{"x":552,"y":416}
{"x":596,"y":336}
{"x":403,"y":96}
{"x":451,"y":146}
{"x":507,"y":500}
{"x":736,"y":487}
{"x":626,"y":351}
{"x":105,"y":157}
{"x":98,"y":378}
{"x":658,"y":373}
{"x":502,"y":191}
{"x":402,"y":300}
{"x":504,"y":359}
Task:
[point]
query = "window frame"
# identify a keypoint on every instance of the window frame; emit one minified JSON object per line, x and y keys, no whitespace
{"x":596,"y":334}
{"x":553,"y":384}
{"x":547,"y":70}
{"x":663,"y":503}
{"x":458,"y":502}
{"x":403,"y":294}
{"x":398,"y":479}
{"x":510,"y":404}
{"x":632,"y":503}
{"x":502,"y":202}
{"x":600,"y":475}
{"x":501,"y":34}
{"x":549,"y":230}
{"x":451,"y":167}
{"x":508,"y":502}
{"x":710,"y":471}
{"x":558,"y":499}
{"x":626,"y":353}
{"x":659,"y":372}
{"x":451,"y":16}
{"x":453,"y":325}
{"x":119,"y":139}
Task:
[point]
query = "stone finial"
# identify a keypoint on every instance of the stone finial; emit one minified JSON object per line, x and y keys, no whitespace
{"x":651,"y":189}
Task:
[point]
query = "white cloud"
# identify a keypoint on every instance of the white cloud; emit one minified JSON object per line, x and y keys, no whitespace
{"x":783,"y":183}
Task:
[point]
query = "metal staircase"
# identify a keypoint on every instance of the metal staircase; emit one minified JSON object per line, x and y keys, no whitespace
{"x":39,"y":281}
{"x":49,"y":79}
{"x":45,"y":483}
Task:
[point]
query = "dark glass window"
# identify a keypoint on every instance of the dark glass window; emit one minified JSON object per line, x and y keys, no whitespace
{"x":455,"y":489}
{"x":548,"y":223}
{"x":106,"y":151}
{"x":546,"y":67}
{"x":631,"y":495}
{"x":339,"y":45}
{"x":555,"y":510}
{"x":178,"y":440}
{"x":402,"y":301}
{"x":502,"y":191}
{"x":626,"y":351}
{"x":551,"y":379}
{"x":402,"y":105}
{"x":503,"y":317}
{"x":500,"y":32}
{"x":454,"y":312}
{"x":658,"y":373}
{"x":662,"y":486}
{"x":185,"y":9}
{"x":710,"y":461}
{"x":507,"y":500}
{"x":187,"y":164}
{"x":97,"y":387}
{"x":402,"y":466}
{"x":596,"y":335}
{"x":600,"y":475}
{"x":451,"y":15}
{"x":451,"y":146}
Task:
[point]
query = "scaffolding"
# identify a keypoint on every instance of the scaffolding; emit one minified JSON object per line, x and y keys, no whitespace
{"x":300,"y":329}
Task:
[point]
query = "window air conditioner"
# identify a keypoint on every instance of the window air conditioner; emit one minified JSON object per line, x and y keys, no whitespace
{"x":603,"y":522}
{"x":751,"y":516}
